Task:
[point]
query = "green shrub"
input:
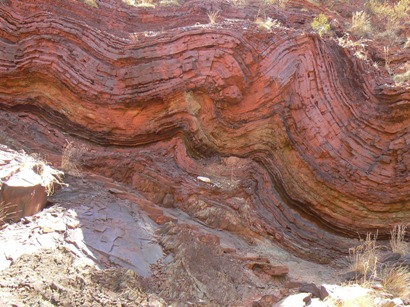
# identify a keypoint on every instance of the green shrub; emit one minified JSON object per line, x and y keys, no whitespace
{"x":320,"y":24}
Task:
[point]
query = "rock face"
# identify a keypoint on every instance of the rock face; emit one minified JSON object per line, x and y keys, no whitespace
{"x":302,"y":143}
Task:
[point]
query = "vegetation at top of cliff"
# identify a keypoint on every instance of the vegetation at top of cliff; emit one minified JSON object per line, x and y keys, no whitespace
{"x":392,"y":14}
{"x":361,"y":24}
{"x":320,"y":24}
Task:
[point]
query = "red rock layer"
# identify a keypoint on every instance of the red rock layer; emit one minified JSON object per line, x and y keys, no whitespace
{"x":301,"y":143}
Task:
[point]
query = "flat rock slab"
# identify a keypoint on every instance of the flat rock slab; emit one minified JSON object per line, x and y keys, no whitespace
{"x":122,"y":234}
{"x":114,"y":230}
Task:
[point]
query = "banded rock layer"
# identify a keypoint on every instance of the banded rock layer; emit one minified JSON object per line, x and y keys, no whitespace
{"x":300,"y":141}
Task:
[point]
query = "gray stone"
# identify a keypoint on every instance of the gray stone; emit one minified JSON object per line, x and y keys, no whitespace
{"x":390,"y":257}
{"x":351,"y":276}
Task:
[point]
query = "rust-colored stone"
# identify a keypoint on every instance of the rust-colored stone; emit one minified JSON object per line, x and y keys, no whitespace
{"x":269,"y":269}
{"x":303,"y":143}
{"x":22,"y":195}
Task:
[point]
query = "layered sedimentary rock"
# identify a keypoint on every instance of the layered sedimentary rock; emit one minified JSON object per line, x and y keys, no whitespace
{"x":293,"y":139}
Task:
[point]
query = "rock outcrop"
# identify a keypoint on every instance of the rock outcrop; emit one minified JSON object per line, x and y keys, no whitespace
{"x":300,"y":141}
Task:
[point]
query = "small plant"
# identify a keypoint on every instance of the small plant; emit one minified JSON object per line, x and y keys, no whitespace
{"x":397,"y":242}
{"x":213,"y":16}
{"x":386,"y":51}
{"x":267,"y":24}
{"x":8,"y":212}
{"x":364,"y":259}
{"x":360,"y":23}
{"x":3,"y":214}
{"x":320,"y":24}
{"x":396,"y":280}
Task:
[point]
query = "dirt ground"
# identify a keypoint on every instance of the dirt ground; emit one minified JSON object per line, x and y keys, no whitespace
{"x":56,"y":277}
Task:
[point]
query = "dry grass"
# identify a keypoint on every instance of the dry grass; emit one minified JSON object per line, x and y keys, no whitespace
{"x":320,"y":24}
{"x":3,"y":214}
{"x":71,"y":158}
{"x":407,"y":44}
{"x":169,"y":3}
{"x":390,"y":15}
{"x":267,"y":23}
{"x":386,"y":52}
{"x":360,"y":23}
{"x":364,"y":259}
{"x":392,"y":12}
{"x":396,"y":281}
{"x":360,"y":46}
{"x":6,"y":215}
{"x":346,"y":42}
{"x":401,"y":78}
{"x":50,"y":177}
{"x":213,"y":17}
{"x":92,"y":3}
{"x":140,"y":3}
{"x":397,"y":242}
{"x":361,"y":301}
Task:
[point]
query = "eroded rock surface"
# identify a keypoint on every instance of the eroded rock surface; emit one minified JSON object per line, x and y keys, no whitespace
{"x":302,"y":143}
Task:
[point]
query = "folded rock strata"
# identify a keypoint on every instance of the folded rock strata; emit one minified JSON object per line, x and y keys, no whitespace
{"x":301,"y":141}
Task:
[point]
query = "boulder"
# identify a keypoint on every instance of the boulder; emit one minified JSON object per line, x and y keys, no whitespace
{"x":22,"y":195}
{"x":310,"y":288}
